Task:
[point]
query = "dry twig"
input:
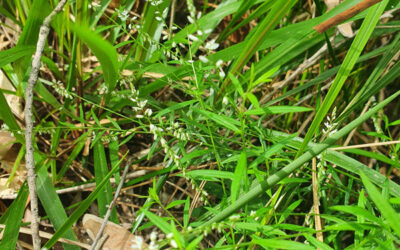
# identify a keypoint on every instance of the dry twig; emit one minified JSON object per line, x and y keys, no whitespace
{"x":30,"y":163}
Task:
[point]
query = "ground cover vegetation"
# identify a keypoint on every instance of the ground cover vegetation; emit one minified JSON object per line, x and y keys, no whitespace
{"x":227,"y":124}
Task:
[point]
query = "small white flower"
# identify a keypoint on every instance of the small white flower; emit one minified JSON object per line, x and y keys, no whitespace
{"x":153,"y":236}
{"x":139,"y":116}
{"x":221,"y":74}
{"x":234,"y":217}
{"x":199,"y":15}
{"x":148,"y":112}
{"x":199,"y":32}
{"x":170,"y":235}
{"x":208,"y":31}
{"x":219,"y":63}
{"x":212,"y":45}
{"x":193,"y":38}
{"x":203,"y":59}
{"x":190,"y":61}
{"x":173,"y":244}
{"x":190,"y":19}
{"x":158,"y":18}
{"x":225,"y":100}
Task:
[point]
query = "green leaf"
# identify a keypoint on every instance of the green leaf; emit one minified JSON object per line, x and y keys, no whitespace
{"x":82,"y":208}
{"x":382,"y":204}
{"x":53,"y":206}
{"x":277,"y":110}
{"x":353,"y":54}
{"x":212,"y":175}
{"x":100,"y":172}
{"x":13,"y":54}
{"x":15,"y":213}
{"x":225,"y":121}
{"x":280,"y":244}
{"x":103,"y":50}
{"x":158,"y":221}
{"x":239,"y":175}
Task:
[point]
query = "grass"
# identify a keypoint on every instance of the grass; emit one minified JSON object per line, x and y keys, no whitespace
{"x":232,"y":153}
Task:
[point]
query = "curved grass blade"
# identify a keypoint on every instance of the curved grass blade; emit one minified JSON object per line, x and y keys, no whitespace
{"x":14,"y":215}
{"x":382,"y":204}
{"x":355,"y":50}
{"x":82,"y":208}
{"x":278,"y":11}
{"x":104,"y":51}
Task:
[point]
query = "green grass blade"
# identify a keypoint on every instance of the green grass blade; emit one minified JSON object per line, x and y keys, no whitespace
{"x":82,"y":208}
{"x":104,"y":51}
{"x":355,"y":50}
{"x":307,"y":156}
{"x":278,"y":11}
{"x":239,"y":176}
{"x":225,"y":121}
{"x":382,"y":204}
{"x":53,"y":206}
{"x":8,"y":118}
{"x":13,"y":54}
{"x":15,"y":213}
{"x":100,"y":172}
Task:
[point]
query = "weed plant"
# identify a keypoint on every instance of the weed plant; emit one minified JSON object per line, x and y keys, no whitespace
{"x":239,"y":113}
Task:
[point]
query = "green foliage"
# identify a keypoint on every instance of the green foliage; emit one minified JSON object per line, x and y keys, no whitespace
{"x":191,"y":91}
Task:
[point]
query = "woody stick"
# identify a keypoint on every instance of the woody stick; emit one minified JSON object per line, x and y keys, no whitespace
{"x":345,"y":15}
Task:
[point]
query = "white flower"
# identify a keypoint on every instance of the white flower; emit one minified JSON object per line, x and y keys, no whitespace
{"x":170,"y":235}
{"x":158,"y":18}
{"x":203,"y":59}
{"x":199,"y":15}
{"x":173,"y":244}
{"x":190,"y":19}
{"x":225,"y":100}
{"x":234,"y":217}
{"x":139,"y":116}
{"x":153,"y":236}
{"x":193,"y":38}
{"x":212,"y":45}
{"x":208,"y":31}
{"x":199,"y":32}
{"x":221,"y":74}
{"x":148,"y":112}
{"x":219,"y":63}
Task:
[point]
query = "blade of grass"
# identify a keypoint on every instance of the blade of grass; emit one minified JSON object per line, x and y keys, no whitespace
{"x":353,"y":54}
{"x":82,"y":207}
{"x":100,"y":172}
{"x":307,"y":156}
{"x":53,"y":206}
{"x":278,"y":11}
{"x":382,"y":204}
{"x":14,"y":215}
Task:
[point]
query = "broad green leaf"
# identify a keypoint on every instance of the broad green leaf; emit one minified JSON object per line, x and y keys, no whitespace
{"x":281,"y":244}
{"x":81,"y":209}
{"x":104,"y":51}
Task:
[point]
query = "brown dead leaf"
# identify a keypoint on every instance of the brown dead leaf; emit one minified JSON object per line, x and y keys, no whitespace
{"x":119,"y":238}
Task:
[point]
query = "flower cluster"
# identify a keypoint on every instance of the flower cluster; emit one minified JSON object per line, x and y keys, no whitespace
{"x":140,"y":105}
{"x":60,"y":89}
{"x":330,"y":126}
{"x":177,"y":132}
